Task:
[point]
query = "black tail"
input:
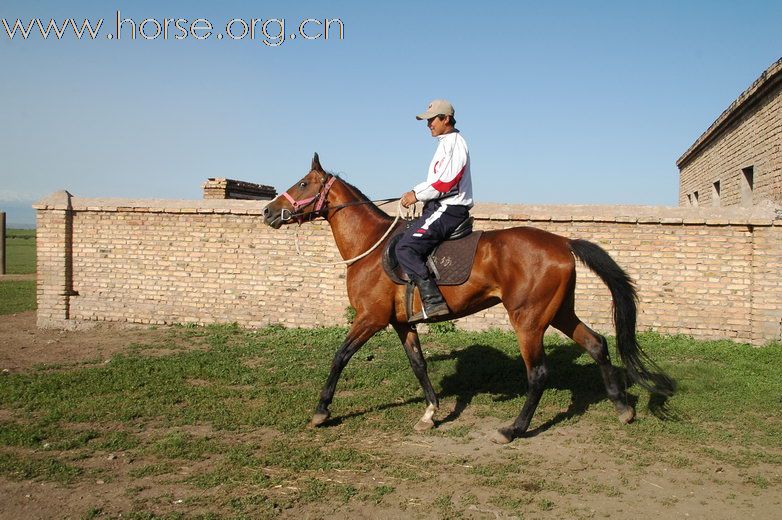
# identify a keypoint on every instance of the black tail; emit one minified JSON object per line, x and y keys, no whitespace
{"x":640,"y":367}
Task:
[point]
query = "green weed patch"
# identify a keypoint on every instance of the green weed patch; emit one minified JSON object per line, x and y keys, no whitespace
{"x":17,"y":296}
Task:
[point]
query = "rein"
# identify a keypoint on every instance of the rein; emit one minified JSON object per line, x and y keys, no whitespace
{"x":319,"y":208}
{"x":316,"y":212}
{"x":362,"y":255}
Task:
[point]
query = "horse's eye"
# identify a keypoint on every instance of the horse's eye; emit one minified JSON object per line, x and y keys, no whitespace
{"x":303,"y":184}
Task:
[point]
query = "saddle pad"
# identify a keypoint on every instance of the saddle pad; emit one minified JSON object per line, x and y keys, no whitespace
{"x":450,"y":263}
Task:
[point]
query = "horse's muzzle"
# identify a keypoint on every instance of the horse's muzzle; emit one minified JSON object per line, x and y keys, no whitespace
{"x":275,"y":217}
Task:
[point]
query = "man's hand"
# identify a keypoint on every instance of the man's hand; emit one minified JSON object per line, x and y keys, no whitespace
{"x":408,"y":199}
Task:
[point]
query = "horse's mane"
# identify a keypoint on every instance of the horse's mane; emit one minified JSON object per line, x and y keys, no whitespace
{"x":360,"y":196}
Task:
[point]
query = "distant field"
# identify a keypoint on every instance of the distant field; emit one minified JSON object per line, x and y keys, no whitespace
{"x":20,"y":251}
{"x":18,"y":295}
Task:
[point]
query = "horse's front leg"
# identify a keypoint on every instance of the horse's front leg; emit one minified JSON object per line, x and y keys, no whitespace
{"x":409,"y":336}
{"x":359,"y":334}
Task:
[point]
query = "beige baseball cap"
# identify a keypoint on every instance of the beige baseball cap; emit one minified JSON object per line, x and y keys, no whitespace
{"x":436,"y":108}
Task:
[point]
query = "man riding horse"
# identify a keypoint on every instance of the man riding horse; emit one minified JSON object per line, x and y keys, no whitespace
{"x":531,"y":272}
{"x":447,"y":197}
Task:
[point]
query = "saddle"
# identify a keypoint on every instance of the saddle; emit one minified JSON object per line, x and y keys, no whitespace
{"x":450,"y":263}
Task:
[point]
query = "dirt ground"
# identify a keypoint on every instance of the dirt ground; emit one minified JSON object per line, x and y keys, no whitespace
{"x":565,"y":457}
{"x":24,"y":346}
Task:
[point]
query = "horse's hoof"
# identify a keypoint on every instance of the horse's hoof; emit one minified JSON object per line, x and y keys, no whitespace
{"x":503,"y":435}
{"x":627,"y":415}
{"x":318,"y":419}
{"x":423,"y":425}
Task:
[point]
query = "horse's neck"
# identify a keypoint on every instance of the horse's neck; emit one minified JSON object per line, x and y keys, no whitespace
{"x":356,"y":228}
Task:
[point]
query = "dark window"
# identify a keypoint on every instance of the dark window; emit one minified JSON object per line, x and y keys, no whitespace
{"x":715,"y":193}
{"x":747,"y":185}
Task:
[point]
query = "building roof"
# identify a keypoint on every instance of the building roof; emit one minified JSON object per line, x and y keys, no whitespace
{"x":770,"y":78}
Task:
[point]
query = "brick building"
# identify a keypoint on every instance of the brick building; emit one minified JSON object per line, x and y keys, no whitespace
{"x":737,"y":161}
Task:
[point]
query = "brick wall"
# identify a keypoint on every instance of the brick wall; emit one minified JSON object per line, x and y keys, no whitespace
{"x":707,"y":273}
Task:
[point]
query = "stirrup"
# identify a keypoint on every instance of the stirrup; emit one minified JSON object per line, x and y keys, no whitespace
{"x":436,"y":312}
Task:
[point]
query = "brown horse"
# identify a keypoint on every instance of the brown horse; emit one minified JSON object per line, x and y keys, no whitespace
{"x":530,"y":271}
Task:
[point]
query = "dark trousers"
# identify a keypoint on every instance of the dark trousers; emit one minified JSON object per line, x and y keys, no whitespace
{"x":425,"y":234}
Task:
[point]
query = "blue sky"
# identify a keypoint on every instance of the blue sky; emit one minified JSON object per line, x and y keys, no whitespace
{"x":560,"y":102}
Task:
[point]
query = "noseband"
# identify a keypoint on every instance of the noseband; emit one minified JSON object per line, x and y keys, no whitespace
{"x":302,"y":203}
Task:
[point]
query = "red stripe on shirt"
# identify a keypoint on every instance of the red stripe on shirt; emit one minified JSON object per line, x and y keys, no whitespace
{"x":445,"y":187}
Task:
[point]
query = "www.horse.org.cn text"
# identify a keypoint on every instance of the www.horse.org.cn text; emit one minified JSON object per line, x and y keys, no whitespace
{"x":271,"y":32}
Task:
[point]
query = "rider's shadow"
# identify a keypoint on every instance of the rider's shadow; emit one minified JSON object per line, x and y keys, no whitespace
{"x":481,"y":369}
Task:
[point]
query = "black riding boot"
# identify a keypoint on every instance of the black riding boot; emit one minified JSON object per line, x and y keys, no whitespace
{"x":432,"y":299}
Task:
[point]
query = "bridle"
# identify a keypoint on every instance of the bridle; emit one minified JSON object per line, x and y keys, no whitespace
{"x":303,"y":203}
{"x":320,"y":205}
{"x":299,"y":216}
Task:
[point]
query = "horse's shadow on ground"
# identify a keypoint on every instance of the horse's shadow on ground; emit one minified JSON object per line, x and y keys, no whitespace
{"x":482,"y":369}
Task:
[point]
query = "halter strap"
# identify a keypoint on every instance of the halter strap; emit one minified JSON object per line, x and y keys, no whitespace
{"x":298,"y":204}
{"x":324,"y":192}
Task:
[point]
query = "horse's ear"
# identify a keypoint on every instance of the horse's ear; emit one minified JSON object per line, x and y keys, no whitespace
{"x":316,"y":163}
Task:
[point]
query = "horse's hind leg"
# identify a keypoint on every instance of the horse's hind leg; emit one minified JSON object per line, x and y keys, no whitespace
{"x":409,"y":337}
{"x":597,"y":347}
{"x":531,"y":346}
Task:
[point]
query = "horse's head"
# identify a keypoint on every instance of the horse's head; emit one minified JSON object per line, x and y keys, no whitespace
{"x":302,"y":201}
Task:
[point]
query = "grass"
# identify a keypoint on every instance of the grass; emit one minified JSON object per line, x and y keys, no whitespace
{"x":236,"y":413}
{"x":20,"y":251}
{"x":19,"y":296}
{"x":25,"y":467}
